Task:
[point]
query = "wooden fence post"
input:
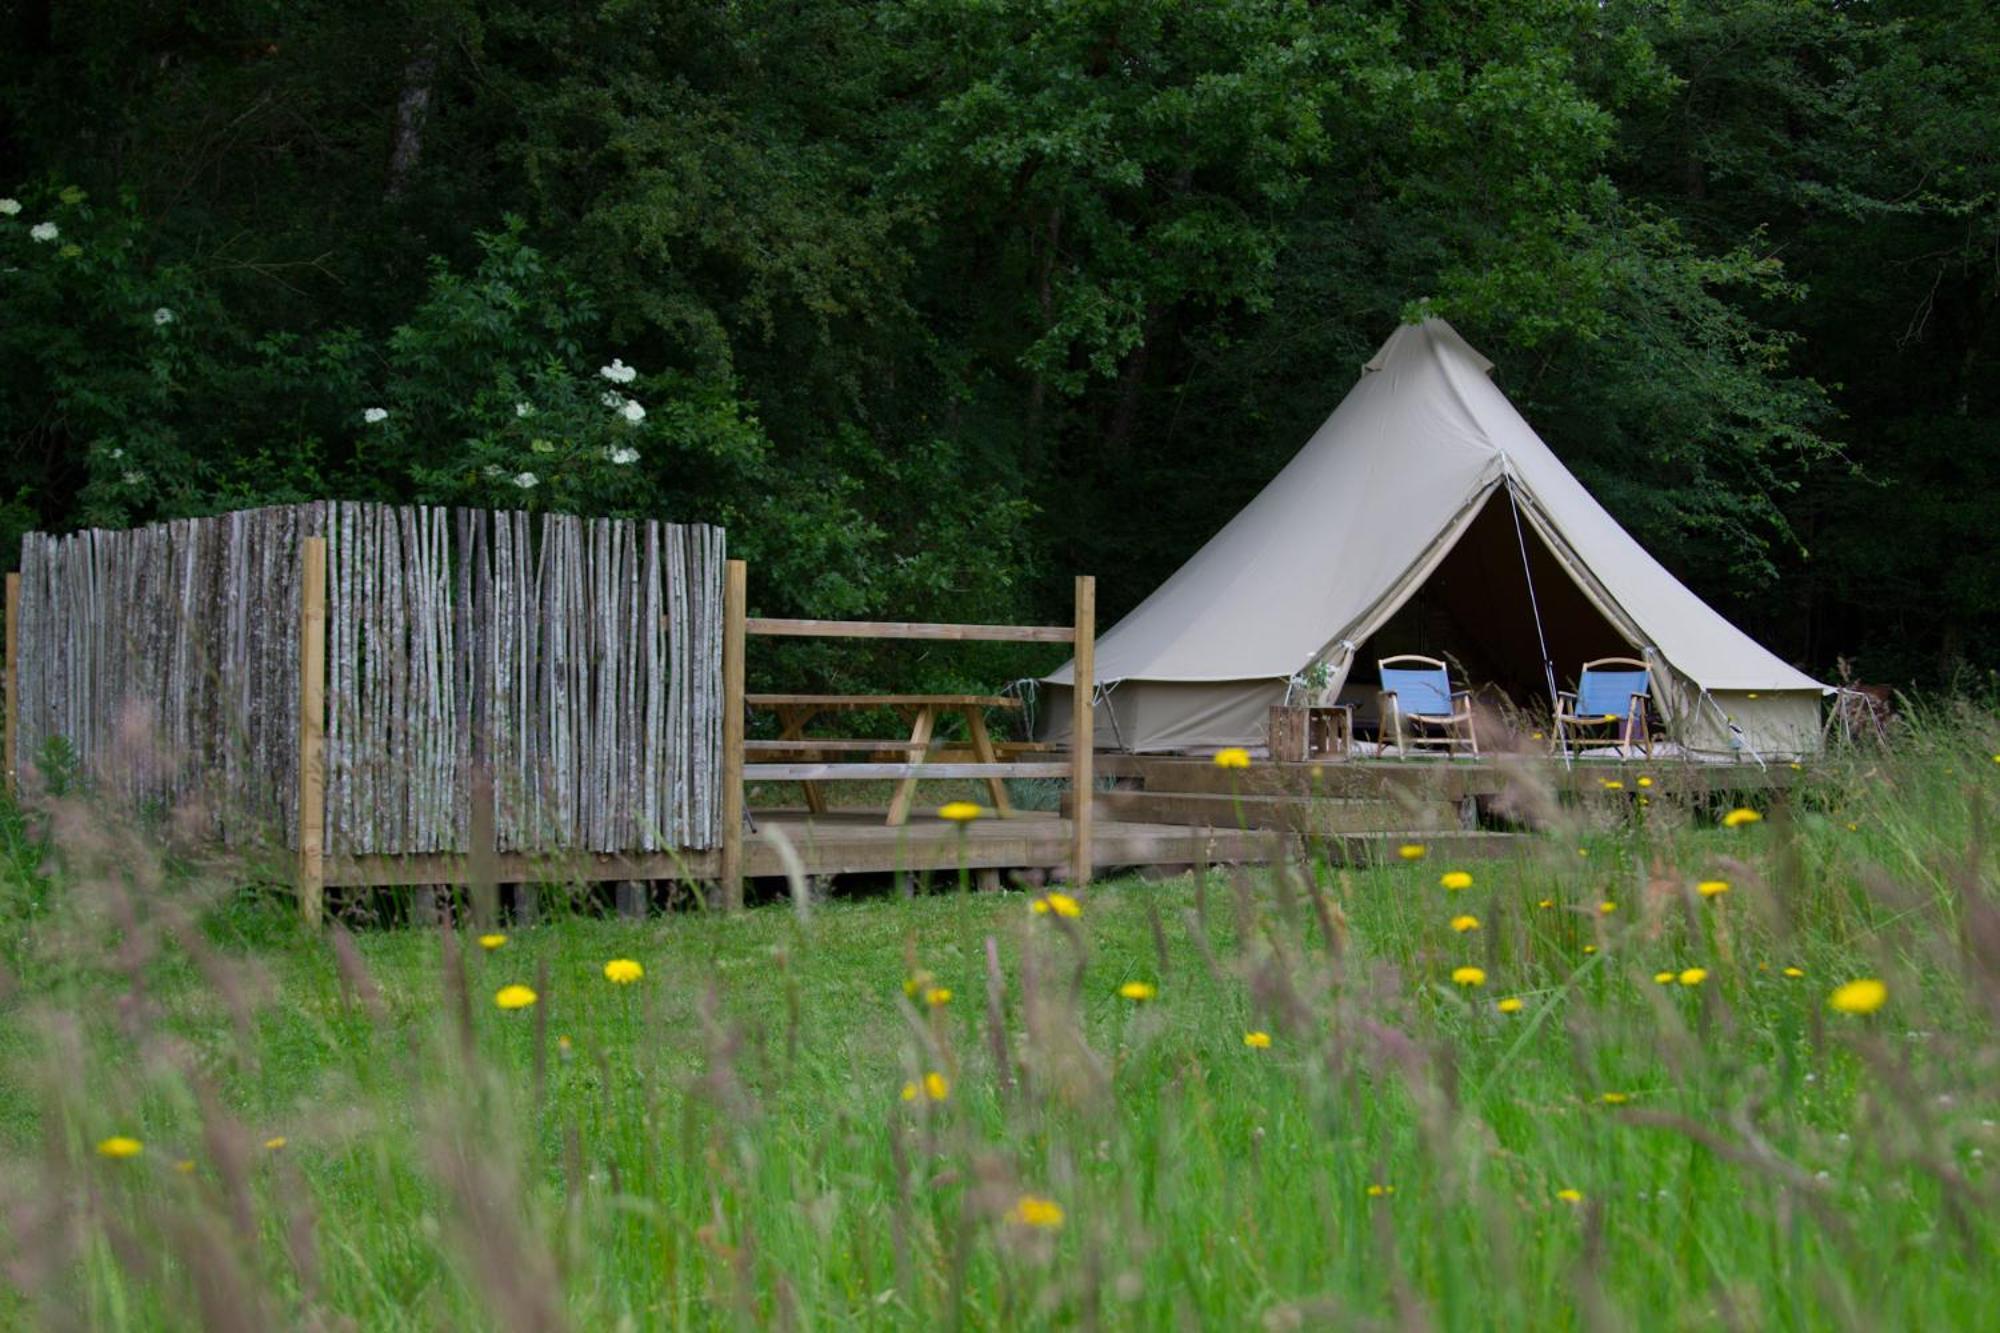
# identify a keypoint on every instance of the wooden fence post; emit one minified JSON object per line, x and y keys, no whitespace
{"x":13,"y":756}
{"x":312,"y":730}
{"x":735,"y":592}
{"x":1082,"y":723}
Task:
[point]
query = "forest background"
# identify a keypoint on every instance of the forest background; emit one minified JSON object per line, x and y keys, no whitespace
{"x":936,"y":302}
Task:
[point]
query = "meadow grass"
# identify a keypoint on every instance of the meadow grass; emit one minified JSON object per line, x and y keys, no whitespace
{"x":750,"y":1134}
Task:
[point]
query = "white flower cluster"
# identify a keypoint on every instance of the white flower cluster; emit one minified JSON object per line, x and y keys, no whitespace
{"x":527,"y":481}
{"x":44,"y":231}
{"x":621,"y":456}
{"x":9,"y":207}
{"x":618,"y":372}
{"x":524,"y":409}
{"x":375,"y":415}
{"x":163,"y":316}
{"x":629,"y":408}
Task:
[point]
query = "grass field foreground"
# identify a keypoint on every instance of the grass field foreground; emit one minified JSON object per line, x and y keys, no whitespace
{"x":1614,"y":1083}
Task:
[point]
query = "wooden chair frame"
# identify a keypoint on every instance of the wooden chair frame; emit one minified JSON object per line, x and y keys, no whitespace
{"x":1634,"y":725}
{"x":1456,"y":728}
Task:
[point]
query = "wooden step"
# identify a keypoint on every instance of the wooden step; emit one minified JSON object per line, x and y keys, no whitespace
{"x":1335,"y":778}
{"x":1293,"y":815}
{"x":1438,"y":779}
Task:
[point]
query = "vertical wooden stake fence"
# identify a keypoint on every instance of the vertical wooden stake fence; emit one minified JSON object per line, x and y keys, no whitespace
{"x":12,"y":758}
{"x":735,"y":592}
{"x":312,"y":730}
{"x":1083,"y":711}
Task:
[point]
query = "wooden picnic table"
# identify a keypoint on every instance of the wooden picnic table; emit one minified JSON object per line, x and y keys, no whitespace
{"x":795,"y":711}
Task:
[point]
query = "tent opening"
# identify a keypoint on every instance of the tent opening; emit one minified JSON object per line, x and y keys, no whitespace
{"x":1475,"y":611}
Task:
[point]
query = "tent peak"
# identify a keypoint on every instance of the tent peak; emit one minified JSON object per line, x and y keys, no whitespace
{"x":1431,"y":337}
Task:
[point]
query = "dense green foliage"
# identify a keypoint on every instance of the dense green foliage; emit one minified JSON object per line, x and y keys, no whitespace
{"x":935,"y":302}
{"x":369,"y":1138}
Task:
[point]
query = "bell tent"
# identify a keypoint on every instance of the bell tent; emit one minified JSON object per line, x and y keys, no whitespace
{"x":1426,"y":515}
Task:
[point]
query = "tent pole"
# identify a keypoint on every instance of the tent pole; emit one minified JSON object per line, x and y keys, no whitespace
{"x":1534,"y":604}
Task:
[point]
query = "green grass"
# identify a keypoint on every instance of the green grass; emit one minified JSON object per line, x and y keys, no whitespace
{"x":726,"y":1140}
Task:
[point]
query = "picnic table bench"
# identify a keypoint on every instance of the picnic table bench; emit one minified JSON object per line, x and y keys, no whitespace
{"x":796,"y":711}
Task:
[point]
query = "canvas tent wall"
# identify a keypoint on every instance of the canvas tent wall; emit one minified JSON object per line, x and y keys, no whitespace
{"x":1360,"y":520}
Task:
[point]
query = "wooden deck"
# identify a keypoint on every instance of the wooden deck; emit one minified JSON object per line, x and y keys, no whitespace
{"x":857,"y":841}
{"x":1166,"y":811}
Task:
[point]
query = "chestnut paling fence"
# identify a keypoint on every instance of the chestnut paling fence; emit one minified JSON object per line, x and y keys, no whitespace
{"x":575,"y":661}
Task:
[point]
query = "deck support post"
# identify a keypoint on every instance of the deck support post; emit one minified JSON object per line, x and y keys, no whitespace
{"x":11,"y":761}
{"x":1083,"y":717}
{"x":735,"y":592}
{"x":312,"y":731}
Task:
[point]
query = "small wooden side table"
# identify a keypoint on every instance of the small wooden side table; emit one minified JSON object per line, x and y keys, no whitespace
{"x":1299,"y":732}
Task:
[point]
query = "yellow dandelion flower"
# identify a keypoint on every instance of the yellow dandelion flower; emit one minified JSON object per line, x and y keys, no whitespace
{"x":1570,"y":1196}
{"x":1461,"y":924}
{"x":1615,"y":1098}
{"x":563,"y":1044}
{"x":937,"y":996}
{"x":275,"y":1142}
{"x":1032,"y":1210}
{"x":1061,"y":904}
{"x":1455,"y":880}
{"x":1853,"y":828}
{"x":1379,"y":1191}
{"x":1607,"y":907}
{"x":1796,"y":766}
{"x":917,"y":982}
{"x":1693,"y":976}
{"x":1740,"y":816}
{"x":119,"y":1146}
{"x":1540,"y":737}
{"x":1583,"y":851}
{"x":1663,"y":978}
{"x":1795,"y":972}
{"x":516,"y":996}
{"x":491,"y":942}
{"x":959,"y":812}
{"x":1139,"y":991}
{"x":623,"y":971}
{"x":1513,"y":1004}
{"x":936,"y":1086}
{"x":1590,"y":948}
{"x":1546,"y":902}
{"x":1257,"y":1041}
{"x":1411,"y":851}
{"x":1709,"y":888}
{"x":1864,"y":996}
{"x":909,"y":1092}
{"x":1645,"y":782}
{"x":1233,"y":757}
{"x":1612,"y":784}
{"x":1468,"y":976}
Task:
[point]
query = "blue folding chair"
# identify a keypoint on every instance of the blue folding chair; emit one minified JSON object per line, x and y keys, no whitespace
{"x":1419,"y":706}
{"x":1611,"y":692}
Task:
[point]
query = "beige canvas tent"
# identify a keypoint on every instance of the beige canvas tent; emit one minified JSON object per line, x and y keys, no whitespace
{"x":1426,"y":515}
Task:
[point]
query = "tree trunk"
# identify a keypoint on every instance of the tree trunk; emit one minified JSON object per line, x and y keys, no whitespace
{"x":412,"y":110}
